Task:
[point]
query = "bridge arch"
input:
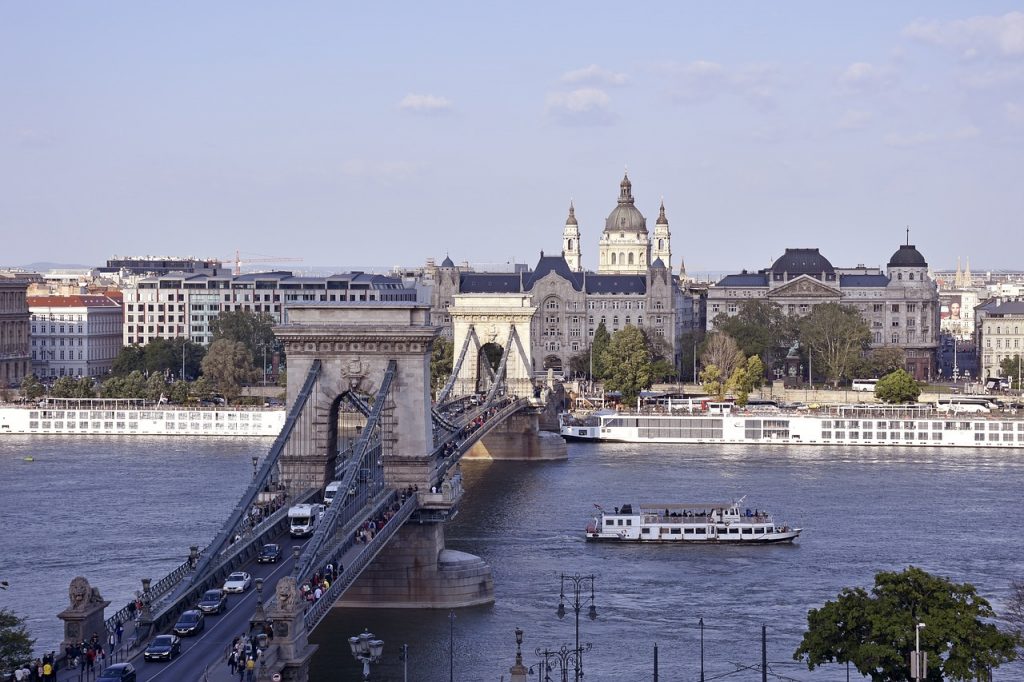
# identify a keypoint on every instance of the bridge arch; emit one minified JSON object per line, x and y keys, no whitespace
{"x":503,"y":319}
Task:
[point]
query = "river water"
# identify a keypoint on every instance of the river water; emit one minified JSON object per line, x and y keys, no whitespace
{"x":116,"y":510}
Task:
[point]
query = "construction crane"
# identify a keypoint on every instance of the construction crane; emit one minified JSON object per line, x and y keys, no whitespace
{"x":261,"y":259}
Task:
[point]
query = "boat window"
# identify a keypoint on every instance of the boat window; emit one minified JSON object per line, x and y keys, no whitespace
{"x":734,"y":531}
{"x":700,"y":531}
{"x":676,"y":531}
{"x":609,"y":522}
{"x":748,"y":530}
{"x":629,"y":522}
{"x":689,"y":531}
{"x":645,"y":531}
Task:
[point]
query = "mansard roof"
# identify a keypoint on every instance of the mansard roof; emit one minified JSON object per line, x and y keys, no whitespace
{"x":555,"y":264}
{"x":863,"y":280}
{"x":744,"y":279}
{"x":802,"y":262}
{"x":489,"y":283}
{"x":616,"y":284}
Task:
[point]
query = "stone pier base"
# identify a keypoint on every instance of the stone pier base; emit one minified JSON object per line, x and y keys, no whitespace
{"x":519,"y":438}
{"x":415,"y":571}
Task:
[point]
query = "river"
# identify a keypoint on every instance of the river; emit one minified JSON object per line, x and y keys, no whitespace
{"x":116,"y":510}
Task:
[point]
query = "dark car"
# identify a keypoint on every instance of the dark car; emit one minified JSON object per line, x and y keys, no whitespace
{"x":190,"y":623}
{"x":119,"y":672}
{"x":270,"y":554}
{"x":163,"y":648}
{"x":213,"y":601}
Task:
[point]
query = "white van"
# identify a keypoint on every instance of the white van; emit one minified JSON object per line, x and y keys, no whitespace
{"x":331,"y":491}
{"x":303,"y":519}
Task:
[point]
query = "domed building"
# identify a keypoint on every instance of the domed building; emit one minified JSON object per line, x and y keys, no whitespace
{"x":900,"y":305}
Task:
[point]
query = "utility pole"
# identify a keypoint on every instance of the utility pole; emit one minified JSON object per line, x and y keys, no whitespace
{"x":764,"y":649}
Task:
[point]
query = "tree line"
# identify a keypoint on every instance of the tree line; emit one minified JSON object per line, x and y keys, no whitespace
{"x":178,"y":370}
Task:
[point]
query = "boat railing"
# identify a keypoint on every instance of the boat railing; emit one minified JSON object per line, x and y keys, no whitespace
{"x":661,"y":518}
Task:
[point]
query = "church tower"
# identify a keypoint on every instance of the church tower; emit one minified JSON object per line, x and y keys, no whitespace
{"x":571,"y":241}
{"x":661,"y":244}
{"x":625,"y":245}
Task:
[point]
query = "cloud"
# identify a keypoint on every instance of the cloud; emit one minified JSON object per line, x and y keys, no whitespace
{"x":974,"y":36}
{"x":854,"y":119}
{"x":703,"y":81}
{"x":863,"y":76}
{"x":425,"y":104}
{"x":379,"y":170}
{"x":583,"y":106}
{"x":594,"y":75}
{"x":920,"y":139}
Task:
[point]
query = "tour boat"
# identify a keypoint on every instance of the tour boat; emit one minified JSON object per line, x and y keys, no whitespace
{"x":712,"y":523}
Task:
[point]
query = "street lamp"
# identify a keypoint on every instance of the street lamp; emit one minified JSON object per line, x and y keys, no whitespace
{"x":366,"y":649}
{"x":918,"y":665}
{"x":255,"y":462}
{"x":578,"y":585}
{"x":701,"y":623}
{"x":566,"y":660}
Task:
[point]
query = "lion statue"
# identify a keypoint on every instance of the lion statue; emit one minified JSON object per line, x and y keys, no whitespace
{"x":79,"y":592}
{"x":286,"y":591}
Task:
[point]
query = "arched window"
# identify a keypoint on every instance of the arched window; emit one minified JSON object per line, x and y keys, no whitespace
{"x":630,"y":257}
{"x":622,"y":258}
{"x":911,"y":277}
{"x":661,"y":244}
{"x":899,"y":276}
{"x":570,"y":245}
{"x":613,"y":259}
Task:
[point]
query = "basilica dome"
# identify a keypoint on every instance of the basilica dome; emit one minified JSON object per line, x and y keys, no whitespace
{"x":907,"y":257}
{"x":625,"y":217}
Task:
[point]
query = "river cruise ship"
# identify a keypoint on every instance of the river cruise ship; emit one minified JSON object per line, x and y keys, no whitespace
{"x":915,"y":425}
{"x":134,"y":418}
{"x":712,"y":523}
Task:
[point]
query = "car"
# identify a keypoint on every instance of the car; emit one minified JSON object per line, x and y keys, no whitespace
{"x":190,"y":623}
{"x":239,"y":581}
{"x":119,"y":672}
{"x":270,"y":554}
{"x":213,"y":601}
{"x":163,"y":648}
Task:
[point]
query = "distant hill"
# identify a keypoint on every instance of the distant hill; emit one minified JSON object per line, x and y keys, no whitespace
{"x":44,"y":266}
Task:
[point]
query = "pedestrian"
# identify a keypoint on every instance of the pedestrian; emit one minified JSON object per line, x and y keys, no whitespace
{"x":241,"y":669}
{"x":250,"y":669}
{"x":120,"y":633}
{"x":232,"y":661}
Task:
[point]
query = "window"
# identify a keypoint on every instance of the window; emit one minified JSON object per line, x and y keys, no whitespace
{"x":895,"y":307}
{"x":895,"y":337}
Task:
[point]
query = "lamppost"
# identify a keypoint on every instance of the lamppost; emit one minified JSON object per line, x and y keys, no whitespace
{"x":566,"y":659}
{"x":366,"y":649}
{"x":701,"y":623}
{"x":255,"y":462}
{"x":918,"y":667}
{"x":578,"y":599}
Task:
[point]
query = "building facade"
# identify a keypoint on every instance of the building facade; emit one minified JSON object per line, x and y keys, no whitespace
{"x":901,"y":305}
{"x":1000,"y":335}
{"x":14,"y":328}
{"x":633,"y":286}
{"x":183,"y":305}
{"x":76,"y":336}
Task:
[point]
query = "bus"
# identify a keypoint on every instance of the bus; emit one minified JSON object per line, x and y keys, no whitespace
{"x":964,"y":404}
{"x":864,"y":385}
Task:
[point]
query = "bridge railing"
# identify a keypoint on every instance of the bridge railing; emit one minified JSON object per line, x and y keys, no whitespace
{"x":319,"y":609}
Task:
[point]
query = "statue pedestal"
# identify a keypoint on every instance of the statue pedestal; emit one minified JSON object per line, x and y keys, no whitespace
{"x":290,"y":637}
{"x":84,"y":617}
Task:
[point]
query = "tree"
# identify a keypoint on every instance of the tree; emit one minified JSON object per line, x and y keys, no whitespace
{"x":878,"y":362}
{"x":713,"y":382}
{"x":598,"y":345}
{"x":63,"y":388}
{"x":745,"y":378}
{"x":721,"y":351}
{"x":875,"y":631}
{"x":442,"y":360}
{"x":179,"y":392}
{"x":129,"y":359}
{"x":133,"y":386}
{"x":15,"y":643}
{"x":112,"y":388}
{"x":254,"y":330}
{"x":897,"y":387}
{"x":663,"y":366}
{"x":201,"y":388}
{"x":155,"y":387}
{"x":687,"y":351}
{"x":836,"y":335}
{"x":759,"y":328}
{"x":85,"y":387}
{"x":627,"y":363}
{"x":1010,"y":368}
{"x":1015,"y":607}
{"x":228,"y":365}
{"x":31,"y":387}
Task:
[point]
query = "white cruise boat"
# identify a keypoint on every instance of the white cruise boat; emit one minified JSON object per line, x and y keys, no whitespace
{"x":712,"y":523}
{"x":901,"y":425}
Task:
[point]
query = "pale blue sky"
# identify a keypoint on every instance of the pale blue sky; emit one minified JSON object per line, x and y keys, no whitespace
{"x":384,"y":133}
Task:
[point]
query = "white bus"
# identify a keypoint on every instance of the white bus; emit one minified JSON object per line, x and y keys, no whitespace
{"x":963,"y":404}
{"x":864,"y":385}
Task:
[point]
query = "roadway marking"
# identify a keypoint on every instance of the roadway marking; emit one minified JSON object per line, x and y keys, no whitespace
{"x":207,"y":631}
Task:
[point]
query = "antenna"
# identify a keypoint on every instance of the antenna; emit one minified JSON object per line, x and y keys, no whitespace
{"x":908,"y":235}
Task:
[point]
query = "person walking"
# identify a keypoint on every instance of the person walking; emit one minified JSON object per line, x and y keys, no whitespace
{"x":232,"y":661}
{"x":250,"y":669}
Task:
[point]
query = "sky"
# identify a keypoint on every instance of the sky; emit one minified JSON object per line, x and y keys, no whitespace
{"x":381,"y":134}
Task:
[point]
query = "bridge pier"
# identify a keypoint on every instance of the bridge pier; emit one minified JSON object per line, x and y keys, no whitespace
{"x":519,"y":438}
{"x":415,"y":571}
{"x":292,"y":651}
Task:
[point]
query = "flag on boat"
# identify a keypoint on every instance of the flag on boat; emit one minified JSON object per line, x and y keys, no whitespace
{"x":599,"y":507}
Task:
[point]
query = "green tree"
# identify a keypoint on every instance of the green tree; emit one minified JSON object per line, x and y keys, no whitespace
{"x":32,"y":388}
{"x":746,"y":378}
{"x":598,"y":345}
{"x":15,"y":643}
{"x":1011,"y":369}
{"x":627,"y":363}
{"x":228,"y":365}
{"x":129,"y":359}
{"x":112,"y":388}
{"x":63,"y":388}
{"x":85,"y":387}
{"x":442,"y":359}
{"x":663,"y":366}
{"x":759,"y":328}
{"x":875,"y":631}
{"x":687,"y":352}
{"x":155,"y":387}
{"x":201,"y":388}
{"x":712,"y":381}
{"x":878,"y":362}
{"x":897,"y":387}
{"x":254,"y":330}
{"x":179,"y":392}
{"x":836,"y":335}
{"x":133,"y":386}
{"x":282,"y":377}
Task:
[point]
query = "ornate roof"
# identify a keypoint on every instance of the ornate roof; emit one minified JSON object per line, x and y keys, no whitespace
{"x":571,"y":220}
{"x":802,"y":262}
{"x":662,"y":220}
{"x":907,"y":257}
{"x":626,"y":217}
{"x":447,"y":262}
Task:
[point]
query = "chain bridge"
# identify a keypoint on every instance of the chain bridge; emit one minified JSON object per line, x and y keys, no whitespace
{"x":360,"y":412}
